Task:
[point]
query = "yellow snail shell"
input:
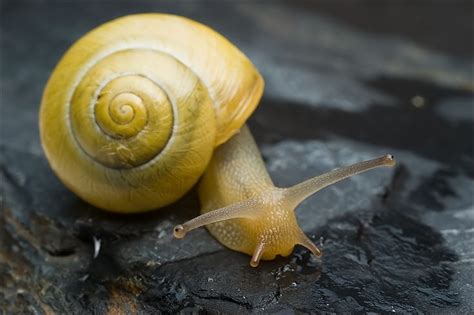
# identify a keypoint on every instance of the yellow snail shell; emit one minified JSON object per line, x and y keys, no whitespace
{"x":133,"y":111}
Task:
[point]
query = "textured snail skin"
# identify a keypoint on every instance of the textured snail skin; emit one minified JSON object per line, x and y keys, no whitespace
{"x":133,"y":111}
{"x":237,"y":173}
{"x":142,"y":107}
{"x":244,"y":210}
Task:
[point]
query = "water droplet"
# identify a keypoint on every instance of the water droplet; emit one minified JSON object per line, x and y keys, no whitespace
{"x":97,"y":244}
{"x":162,"y":234}
{"x":418,"y":101}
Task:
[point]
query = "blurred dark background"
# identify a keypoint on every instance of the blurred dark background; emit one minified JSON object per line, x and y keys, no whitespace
{"x":445,"y":26}
{"x":345,"y":81}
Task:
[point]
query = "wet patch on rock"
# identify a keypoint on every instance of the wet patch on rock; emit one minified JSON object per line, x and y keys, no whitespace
{"x":387,"y":254}
{"x":386,"y":262}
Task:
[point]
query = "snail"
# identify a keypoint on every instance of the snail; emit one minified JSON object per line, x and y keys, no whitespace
{"x":143,"y":107}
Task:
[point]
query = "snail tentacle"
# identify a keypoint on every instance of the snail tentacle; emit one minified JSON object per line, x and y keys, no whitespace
{"x":248,"y":209}
{"x":298,"y":193}
{"x":305,"y":241}
{"x":257,"y":254}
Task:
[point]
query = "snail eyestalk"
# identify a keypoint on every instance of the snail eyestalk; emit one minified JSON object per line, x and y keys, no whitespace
{"x":305,"y":189}
{"x":244,"y":209}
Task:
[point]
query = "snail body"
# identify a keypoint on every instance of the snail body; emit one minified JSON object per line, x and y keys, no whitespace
{"x":142,"y":107}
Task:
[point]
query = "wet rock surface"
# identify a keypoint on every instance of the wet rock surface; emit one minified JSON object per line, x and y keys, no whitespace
{"x":397,"y":240}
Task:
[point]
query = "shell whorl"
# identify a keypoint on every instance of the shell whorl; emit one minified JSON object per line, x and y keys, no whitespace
{"x":130,"y":116}
{"x":123,"y":114}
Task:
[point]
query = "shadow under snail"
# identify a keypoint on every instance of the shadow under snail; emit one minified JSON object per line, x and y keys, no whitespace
{"x":142,"y":107}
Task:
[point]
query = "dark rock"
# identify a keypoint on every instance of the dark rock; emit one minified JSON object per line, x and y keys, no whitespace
{"x":395,"y":240}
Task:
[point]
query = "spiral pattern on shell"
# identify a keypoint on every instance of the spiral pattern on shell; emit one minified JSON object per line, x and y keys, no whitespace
{"x":125,"y":118}
{"x":130,"y":116}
